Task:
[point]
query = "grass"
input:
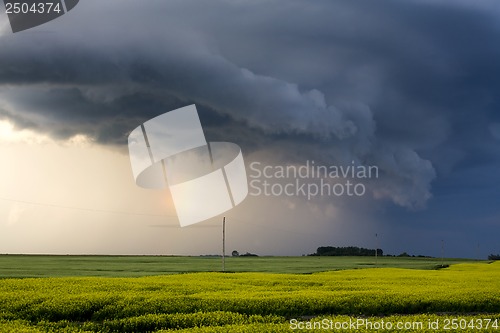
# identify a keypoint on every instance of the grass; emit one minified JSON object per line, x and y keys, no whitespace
{"x":21,"y":266}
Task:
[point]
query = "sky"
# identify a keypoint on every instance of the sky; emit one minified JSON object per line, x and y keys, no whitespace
{"x":409,"y":87}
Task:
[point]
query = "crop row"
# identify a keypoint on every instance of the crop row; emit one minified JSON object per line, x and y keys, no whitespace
{"x":234,"y":323}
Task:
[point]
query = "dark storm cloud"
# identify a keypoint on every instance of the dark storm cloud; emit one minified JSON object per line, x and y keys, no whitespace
{"x":398,"y":85}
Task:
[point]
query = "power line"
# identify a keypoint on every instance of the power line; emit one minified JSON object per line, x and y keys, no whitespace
{"x":84,"y":208}
{"x":245,"y":222}
{"x":177,"y":226}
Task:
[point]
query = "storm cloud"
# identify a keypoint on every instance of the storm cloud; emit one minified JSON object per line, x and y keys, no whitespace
{"x":410,"y":87}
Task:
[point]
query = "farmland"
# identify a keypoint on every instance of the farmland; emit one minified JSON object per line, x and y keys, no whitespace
{"x":255,"y":302}
{"x":134,"y":266}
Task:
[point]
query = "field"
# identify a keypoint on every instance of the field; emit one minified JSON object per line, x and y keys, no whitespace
{"x":134,"y":266}
{"x":464,"y":295}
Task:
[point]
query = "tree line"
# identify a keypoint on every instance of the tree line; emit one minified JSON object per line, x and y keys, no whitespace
{"x":346,"y":251}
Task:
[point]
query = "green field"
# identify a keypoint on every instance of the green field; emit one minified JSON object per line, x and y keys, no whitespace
{"x":132,"y":266}
{"x":466,"y":295}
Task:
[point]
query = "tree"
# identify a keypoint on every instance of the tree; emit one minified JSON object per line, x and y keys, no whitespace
{"x":494,"y":257}
{"x":347,"y":251}
{"x":235,"y":253}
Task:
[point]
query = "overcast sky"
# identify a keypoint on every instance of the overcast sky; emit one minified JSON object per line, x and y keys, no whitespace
{"x":411,"y":87}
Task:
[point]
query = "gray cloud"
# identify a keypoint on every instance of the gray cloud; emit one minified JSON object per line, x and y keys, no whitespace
{"x":386,"y":83}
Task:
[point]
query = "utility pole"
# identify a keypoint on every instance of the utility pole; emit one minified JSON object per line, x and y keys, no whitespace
{"x":376,"y":249}
{"x":442,"y":252}
{"x":224,"y":244}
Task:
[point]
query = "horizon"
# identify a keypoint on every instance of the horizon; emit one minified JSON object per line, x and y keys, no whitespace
{"x":407,"y":89}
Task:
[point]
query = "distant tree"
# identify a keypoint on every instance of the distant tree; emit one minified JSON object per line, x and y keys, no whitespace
{"x":494,"y":257}
{"x":346,"y":251}
{"x":235,"y":253}
{"x":248,"y":254}
{"x":404,"y":254}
